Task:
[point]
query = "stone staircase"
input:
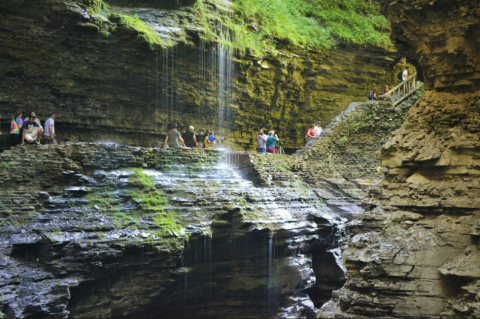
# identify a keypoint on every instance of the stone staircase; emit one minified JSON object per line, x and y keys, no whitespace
{"x":328,"y":129}
{"x":400,"y":93}
{"x":341,"y":165}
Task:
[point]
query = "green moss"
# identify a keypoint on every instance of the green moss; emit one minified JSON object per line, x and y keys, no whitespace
{"x":167,"y":222}
{"x":260,"y":25}
{"x":142,"y":179}
{"x":136,"y":24}
{"x":101,"y":199}
{"x":97,"y":6}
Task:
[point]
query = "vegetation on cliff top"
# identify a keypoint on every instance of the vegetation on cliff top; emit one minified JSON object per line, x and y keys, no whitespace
{"x":260,"y":25}
{"x":313,"y":24}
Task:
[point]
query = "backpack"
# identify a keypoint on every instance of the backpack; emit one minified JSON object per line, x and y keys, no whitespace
{"x":400,"y":75}
{"x":370,"y":95}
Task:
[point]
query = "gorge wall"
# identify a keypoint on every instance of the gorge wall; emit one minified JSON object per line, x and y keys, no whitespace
{"x":414,"y":253}
{"x":106,"y":83}
{"x":116,"y":231}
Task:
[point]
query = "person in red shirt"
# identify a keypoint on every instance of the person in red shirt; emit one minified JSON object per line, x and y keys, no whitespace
{"x":310,"y":133}
{"x":385,"y":90}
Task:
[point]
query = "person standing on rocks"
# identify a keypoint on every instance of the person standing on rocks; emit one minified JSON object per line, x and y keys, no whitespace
{"x":173,"y":136}
{"x":272,"y":138}
{"x":16,"y":128}
{"x":190,"y":138}
{"x":310,"y":133}
{"x":211,"y":140}
{"x":49,"y":130}
{"x":318,"y":129}
{"x":261,"y":140}
{"x":205,"y":139}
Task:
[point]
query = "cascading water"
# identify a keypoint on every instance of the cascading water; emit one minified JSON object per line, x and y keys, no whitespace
{"x":215,"y":84}
{"x":226,"y":73}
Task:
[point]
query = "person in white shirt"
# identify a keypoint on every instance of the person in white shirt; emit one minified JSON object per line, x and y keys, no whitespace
{"x":318,"y":129}
{"x":49,"y":129}
{"x":261,"y":139}
{"x":405,"y":73}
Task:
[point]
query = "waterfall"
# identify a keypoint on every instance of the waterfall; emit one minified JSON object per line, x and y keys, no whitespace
{"x":225,"y":84}
{"x":214,"y":84}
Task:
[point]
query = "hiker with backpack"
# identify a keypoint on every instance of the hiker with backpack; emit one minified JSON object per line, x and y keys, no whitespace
{"x":372,"y":95}
{"x":403,"y":75}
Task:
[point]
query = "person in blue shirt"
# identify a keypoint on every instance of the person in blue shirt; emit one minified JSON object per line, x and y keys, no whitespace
{"x":211,"y":140}
{"x":271,"y":139}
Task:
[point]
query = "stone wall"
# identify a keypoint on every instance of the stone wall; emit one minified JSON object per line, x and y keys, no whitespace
{"x":441,"y":37}
{"x":342,"y":165}
{"x":116,"y":88}
{"x":105,"y":230}
{"x":414,"y":253}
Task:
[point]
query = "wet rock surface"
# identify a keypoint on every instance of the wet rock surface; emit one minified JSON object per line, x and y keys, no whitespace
{"x":179,"y":234}
{"x":105,"y":83}
{"x":342,"y":165}
{"x":412,"y":253}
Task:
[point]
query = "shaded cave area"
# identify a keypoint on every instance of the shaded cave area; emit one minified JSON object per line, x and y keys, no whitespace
{"x":236,"y":273}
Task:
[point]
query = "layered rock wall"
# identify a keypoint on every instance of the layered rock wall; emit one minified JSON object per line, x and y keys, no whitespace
{"x":441,"y":37}
{"x":104,"y":230}
{"x":105,"y":83}
{"x":414,"y":253}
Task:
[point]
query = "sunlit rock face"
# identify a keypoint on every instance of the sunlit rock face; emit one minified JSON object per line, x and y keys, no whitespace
{"x":440,"y":36}
{"x":412,"y":255}
{"x":115,"y":231}
{"x":108,"y":84}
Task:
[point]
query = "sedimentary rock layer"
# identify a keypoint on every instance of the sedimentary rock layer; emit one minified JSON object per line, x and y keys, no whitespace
{"x":108,"y":84}
{"x":105,"y":230}
{"x":414,"y":253}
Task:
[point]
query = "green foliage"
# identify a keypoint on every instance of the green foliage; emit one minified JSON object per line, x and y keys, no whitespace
{"x":136,"y":24}
{"x":260,"y":25}
{"x":97,"y":6}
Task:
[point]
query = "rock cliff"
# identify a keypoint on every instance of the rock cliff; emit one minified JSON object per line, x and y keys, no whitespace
{"x":107,"y":83}
{"x":414,"y":252}
{"x":91,"y":230}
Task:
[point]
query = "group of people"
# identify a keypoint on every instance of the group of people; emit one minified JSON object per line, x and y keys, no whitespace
{"x":402,"y":76}
{"x":174,"y":139}
{"x":30,"y":130}
{"x":267,"y":143}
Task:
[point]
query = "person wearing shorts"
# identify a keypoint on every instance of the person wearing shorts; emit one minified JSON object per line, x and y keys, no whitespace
{"x":31,"y":134}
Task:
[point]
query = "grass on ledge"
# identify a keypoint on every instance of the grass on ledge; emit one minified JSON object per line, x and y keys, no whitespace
{"x":134,"y":23}
{"x":260,"y":25}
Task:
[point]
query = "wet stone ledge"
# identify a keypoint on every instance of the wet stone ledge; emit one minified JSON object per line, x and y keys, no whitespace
{"x":116,"y":231}
{"x":50,"y":164}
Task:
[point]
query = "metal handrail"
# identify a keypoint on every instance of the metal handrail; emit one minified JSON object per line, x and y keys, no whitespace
{"x":402,"y":91}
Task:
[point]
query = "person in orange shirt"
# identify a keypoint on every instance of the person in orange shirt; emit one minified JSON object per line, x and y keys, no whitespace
{"x":310,"y":133}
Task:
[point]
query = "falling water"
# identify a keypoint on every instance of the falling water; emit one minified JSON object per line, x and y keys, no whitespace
{"x":225,"y":85}
{"x":271,"y":279}
{"x":214,"y":83}
{"x":202,"y":81}
{"x":185,"y":294}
